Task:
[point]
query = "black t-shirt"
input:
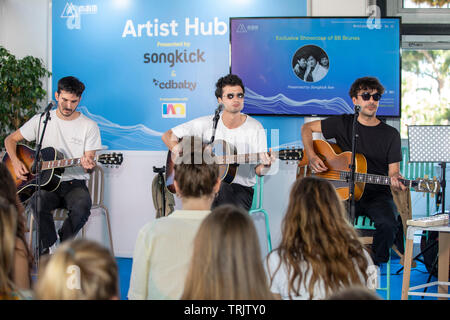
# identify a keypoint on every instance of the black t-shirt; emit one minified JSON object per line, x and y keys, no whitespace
{"x":379,"y":144}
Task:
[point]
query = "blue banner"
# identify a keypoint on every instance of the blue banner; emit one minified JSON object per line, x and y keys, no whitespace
{"x":149,"y":65}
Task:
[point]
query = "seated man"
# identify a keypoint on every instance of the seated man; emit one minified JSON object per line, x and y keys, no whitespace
{"x":164,"y":246}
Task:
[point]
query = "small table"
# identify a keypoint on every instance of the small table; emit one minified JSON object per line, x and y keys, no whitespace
{"x":442,"y":283}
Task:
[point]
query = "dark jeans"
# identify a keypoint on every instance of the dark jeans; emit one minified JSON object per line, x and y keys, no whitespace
{"x":72,"y":195}
{"x":382,"y":211}
{"x":235,"y":194}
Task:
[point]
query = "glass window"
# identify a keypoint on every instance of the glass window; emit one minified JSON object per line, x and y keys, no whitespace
{"x":425,"y":88}
{"x":425,"y":4}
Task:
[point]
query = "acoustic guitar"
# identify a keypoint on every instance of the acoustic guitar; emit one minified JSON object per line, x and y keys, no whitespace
{"x":228,"y":160}
{"x":52,"y":167}
{"x":338,"y":172}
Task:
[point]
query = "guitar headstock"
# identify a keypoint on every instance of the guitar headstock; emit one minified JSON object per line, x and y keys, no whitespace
{"x":425,"y":185}
{"x":290,"y":154}
{"x":114,"y":159}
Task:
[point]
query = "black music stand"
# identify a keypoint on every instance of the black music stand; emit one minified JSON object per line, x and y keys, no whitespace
{"x":430,"y":143}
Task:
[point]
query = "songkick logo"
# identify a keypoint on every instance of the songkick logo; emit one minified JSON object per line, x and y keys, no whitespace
{"x":174,"y":110}
{"x":73,"y":14}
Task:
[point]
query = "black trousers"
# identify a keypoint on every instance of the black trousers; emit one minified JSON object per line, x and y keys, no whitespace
{"x":235,"y":194}
{"x":382,"y":211}
{"x":72,"y":195}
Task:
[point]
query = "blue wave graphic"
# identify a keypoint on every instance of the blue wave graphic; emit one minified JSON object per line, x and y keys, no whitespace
{"x":117,"y":137}
{"x":280,"y":104}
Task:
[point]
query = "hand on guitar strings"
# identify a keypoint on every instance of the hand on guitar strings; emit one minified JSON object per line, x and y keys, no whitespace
{"x":20,"y":170}
{"x":316,"y":164}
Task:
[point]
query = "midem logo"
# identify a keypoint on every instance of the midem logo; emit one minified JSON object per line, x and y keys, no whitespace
{"x":174,"y":110}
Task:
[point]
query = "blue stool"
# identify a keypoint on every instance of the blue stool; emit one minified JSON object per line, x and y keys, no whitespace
{"x":257,"y":207}
{"x":365,"y":223}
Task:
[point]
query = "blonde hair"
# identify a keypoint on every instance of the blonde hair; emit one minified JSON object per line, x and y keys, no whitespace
{"x":8,"y":228}
{"x":315,"y":230}
{"x":226,"y":262}
{"x":79,"y":270}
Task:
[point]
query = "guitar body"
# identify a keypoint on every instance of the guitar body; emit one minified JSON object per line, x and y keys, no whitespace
{"x":335,"y":160}
{"x":49,"y":179}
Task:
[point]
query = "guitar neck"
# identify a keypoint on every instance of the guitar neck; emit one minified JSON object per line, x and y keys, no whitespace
{"x":373,"y":178}
{"x":63,"y":163}
{"x":249,"y":158}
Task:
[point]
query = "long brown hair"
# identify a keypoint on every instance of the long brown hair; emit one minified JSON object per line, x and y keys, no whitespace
{"x":315,"y":230}
{"x":226,"y":263}
{"x":8,"y":226}
{"x":9,"y":191}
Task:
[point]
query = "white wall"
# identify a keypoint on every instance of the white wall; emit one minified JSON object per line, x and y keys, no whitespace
{"x":24,"y":30}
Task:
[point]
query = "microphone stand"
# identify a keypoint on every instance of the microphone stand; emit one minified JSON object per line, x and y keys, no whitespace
{"x":352,"y":166}
{"x":36,"y":168}
{"x":215,"y":121}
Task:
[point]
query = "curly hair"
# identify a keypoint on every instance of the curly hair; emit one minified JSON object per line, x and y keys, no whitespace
{"x":365,"y":83}
{"x":315,"y":230}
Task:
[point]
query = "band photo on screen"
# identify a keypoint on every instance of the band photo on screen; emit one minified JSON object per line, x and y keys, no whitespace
{"x":310,"y":63}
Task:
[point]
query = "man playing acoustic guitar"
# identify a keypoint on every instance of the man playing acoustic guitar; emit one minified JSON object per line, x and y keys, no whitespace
{"x":75,"y":136}
{"x":381,"y":146}
{"x":245,"y":133}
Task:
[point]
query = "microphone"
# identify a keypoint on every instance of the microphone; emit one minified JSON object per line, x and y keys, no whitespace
{"x":219,"y":108}
{"x":357,"y":108}
{"x":215,"y":120}
{"x":50,"y":106}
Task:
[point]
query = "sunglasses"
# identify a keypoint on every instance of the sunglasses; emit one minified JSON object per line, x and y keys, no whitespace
{"x":366,"y":96}
{"x":239,"y":95}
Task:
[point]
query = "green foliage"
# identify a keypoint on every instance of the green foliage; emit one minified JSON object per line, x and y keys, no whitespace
{"x":20,"y":90}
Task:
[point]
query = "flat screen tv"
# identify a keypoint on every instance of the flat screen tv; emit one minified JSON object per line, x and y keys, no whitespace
{"x":271,"y":55}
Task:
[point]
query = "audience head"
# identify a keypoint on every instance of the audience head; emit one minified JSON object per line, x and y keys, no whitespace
{"x":78,"y":270}
{"x":355,"y":293}
{"x":194,"y":177}
{"x":8,"y":227}
{"x":8,"y":188}
{"x":9,"y":191}
{"x":226,"y":263}
{"x":315,"y":230}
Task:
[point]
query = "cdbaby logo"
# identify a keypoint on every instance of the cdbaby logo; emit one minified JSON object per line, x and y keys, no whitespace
{"x":172,"y":84}
{"x":174,"y":110}
{"x":73,"y":14}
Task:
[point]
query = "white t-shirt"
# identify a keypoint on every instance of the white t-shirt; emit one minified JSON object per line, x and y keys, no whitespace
{"x":70,"y":137}
{"x":250,"y":137}
{"x":280,"y":283}
{"x":162,"y":255}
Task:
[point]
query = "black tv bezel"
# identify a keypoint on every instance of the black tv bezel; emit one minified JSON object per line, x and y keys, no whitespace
{"x":326,"y":17}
